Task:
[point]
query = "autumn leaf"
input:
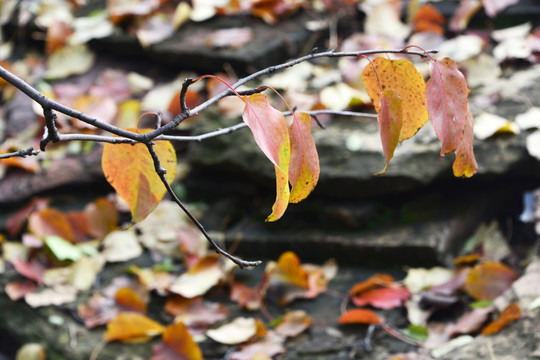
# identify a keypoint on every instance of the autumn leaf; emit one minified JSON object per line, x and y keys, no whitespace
{"x":271,"y":135}
{"x":428,"y":18}
{"x":101,"y":217}
{"x":304,"y":164}
{"x":382,"y":298}
{"x":177,"y":344}
{"x":205,"y":274}
{"x":31,"y":270}
{"x":288,"y":269}
{"x":195,"y":313}
{"x":133,"y":327}
{"x":237,"y":331}
{"x":293,"y":323}
{"x":390,"y":117}
{"x":373,"y":281}
{"x":510,"y":314}
{"x":446,"y":100}
{"x":488,"y":280}
{"x":128,"y":298}
{"x":360,"y":316}
{"x":130,"y":170}
{"x":402,"y":76}
{"x":465,"y":162}
{"x":50,"y":221}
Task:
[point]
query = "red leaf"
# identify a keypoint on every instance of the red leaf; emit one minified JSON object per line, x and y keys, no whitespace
{"x":360,"y":316}
{"x":271,"y":135}
{"x":177,"y":345}
{"x":390,"y":117}
{"x":15,"y":223}
{"x":488,"y":280}
{"x":383,"y":298}
{"x":446,"y":100}
{"x":304,"y":165}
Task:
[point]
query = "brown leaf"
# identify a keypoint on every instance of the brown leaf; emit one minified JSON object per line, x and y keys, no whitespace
{"x":488,"y":280}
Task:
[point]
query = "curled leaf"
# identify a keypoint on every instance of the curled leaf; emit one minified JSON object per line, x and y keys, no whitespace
{"x":360,"y":316}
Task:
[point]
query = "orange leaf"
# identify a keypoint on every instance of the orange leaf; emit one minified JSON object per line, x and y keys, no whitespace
{"x":128,"y":298}
{"x":446,"y":100}
{"x":373,"y":281}
{"x":271,"y":135}
{"x":130,"y":171}
{"x":390,"y":117}
{"x":465,"y":162}
{"x":101,"y":217}
{"x":304,"y":165}
{"x":360,"y":316}
{"x":132,"y":326}
{"x":177,"y":344}
{"x":288,"y":269}
{"x":510,"y":314}
{"x":428,"y":18}
{"x":57,"y":35}
{"x":467,"y":259}
{"x":402,"y":76}
{"x":50,"y":221}
{"x":488,"y":280}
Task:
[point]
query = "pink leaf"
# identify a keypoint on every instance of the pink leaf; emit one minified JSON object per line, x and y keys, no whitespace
{"x":446,"y":100}
{"x":382,"y":298}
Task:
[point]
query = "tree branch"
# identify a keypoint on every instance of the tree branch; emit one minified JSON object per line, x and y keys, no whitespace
{"x":20,"y":153}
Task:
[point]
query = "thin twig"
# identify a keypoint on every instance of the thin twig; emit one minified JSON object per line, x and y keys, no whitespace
{"x":311,"y":56}
{"x":161,"y":172}
{"x":20,"y":153}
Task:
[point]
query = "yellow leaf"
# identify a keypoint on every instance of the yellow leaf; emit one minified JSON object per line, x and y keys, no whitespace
{"x":130,"y":170}
{"x":304,"y":165}
{"x":132,"y":326}
{"x":402,"y":76}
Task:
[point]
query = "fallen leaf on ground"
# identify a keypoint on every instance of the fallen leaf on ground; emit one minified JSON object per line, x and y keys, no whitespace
{"x":376,"y":280}
{"x":58,"y":295}
{"x":419,"y":279}
{"x":195,"y":313}
{"x":16,"y":290}
{"x":50,"y":221}
{"x":510,"y":314}
{"x":488,"y":280}
{"x":133,"y":327}
{"x":121,"y":245}
{"x":177,"y":344}
{"x":128,"y":298}
{"x":293,"y":323}
{"x":360,"y":316}
{"x":204,"y":275}
{"x":382,"y":298}
{"x":263,"y":349}
{"x":237,"y":331}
